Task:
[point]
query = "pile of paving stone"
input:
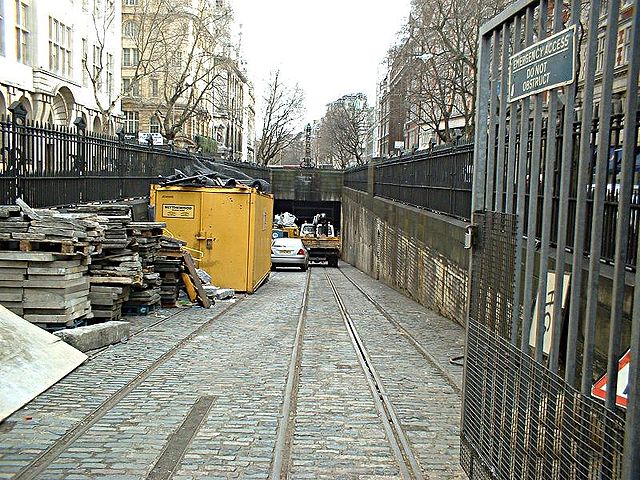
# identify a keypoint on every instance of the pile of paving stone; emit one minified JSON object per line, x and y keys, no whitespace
{"x":146,"y":295}
{"x":44,"y":260}
{"x":169,"y":265}
{"x":117,"y":268}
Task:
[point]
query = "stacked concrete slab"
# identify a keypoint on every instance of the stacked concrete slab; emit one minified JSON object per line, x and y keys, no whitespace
{"x":169,"y":265}
{"x":116,"y":267}
{"x":145,"y":296}
{"x":44,"y":260}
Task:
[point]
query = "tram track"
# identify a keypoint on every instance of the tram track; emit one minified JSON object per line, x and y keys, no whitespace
{"x":446,"y":376}
{"x":281,"y":464}
{"x":95,"y":353}
{"x":39,"y":464}
{"x":398,"y":440}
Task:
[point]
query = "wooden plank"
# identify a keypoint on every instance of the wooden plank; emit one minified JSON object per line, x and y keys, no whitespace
{"x":189,"y":287}
{"x":111,"y":280}
{"x":191,"y":270}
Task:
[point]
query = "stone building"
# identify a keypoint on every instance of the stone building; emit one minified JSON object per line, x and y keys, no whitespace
{"x":48,"y":53}
{"x":193,"y":90}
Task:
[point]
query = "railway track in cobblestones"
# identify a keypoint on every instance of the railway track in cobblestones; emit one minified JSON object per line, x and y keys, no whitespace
{"x":446,"y":376}
{"x":36,"y":467}
{"x":398,"y":440}
{"x":98,"y":351}
{"x":284,"y":437}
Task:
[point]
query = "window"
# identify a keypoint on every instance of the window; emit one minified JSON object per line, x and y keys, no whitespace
{"x":130,"y":57}
{"x":130,"y":88}
{"x":154,"y":125}
{"x":85,"y":53}
{"x":109,"y":75}
{"x":600,"y":54}
{"x":23,"y":32}
{"x":154,"y":87}
{"x":131,"y":122}
{"x":60,"y":48}
{"x":623,"y":46}
{"x":130,"y":29}
{"x":131,"y":3}
{"x":97,"y":67}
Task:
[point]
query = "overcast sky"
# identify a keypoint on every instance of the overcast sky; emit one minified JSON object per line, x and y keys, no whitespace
{"x":329,"y":47}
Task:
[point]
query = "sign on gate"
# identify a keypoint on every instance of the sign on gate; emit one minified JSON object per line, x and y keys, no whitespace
{"x":549,"y":307}
{"x":544,"y":65}
{"x":600,"y":388}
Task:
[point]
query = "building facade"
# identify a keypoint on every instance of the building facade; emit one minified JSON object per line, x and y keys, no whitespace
{"x":193,"y":91}
{"x":49,"y":51}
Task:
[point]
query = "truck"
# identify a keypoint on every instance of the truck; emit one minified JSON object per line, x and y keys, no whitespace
{"x":320,"y":240}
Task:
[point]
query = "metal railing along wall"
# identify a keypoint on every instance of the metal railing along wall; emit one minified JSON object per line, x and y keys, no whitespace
{"x":357,"y":178}
{"x":438,"y":180}
{"x":52,"y":165}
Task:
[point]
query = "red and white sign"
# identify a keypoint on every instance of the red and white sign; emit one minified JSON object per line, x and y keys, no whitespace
{"x":600,"y":388}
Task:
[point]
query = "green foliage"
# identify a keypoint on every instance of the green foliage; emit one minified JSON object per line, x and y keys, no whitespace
{"x":207,"y":144}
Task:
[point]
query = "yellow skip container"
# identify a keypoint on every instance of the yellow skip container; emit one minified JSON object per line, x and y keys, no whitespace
{"x":230,"y":226}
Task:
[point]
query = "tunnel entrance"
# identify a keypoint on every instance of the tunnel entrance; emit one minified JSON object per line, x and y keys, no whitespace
{"x":306,"y":209}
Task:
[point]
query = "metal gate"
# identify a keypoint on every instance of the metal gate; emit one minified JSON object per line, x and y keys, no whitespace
{"x":554,"y":321}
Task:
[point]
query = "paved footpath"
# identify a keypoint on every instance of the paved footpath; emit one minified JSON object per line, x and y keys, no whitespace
{"x":201,"y":393}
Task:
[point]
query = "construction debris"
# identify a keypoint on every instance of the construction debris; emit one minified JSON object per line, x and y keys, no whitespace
{"x":168,"y":265}
{"x":44,"y":259}
{"x":31,"y":361}
{"x":146,"y":295}
{"x":93,"y":337}
{"x":89,"y":263}
{"x":116,"y":267}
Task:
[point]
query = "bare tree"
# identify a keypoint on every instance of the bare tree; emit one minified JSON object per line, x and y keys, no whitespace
{"x":439,"y":58}
{"x":184,"y":46}
{"x":283,"y":109}
{"x":195,"y":65}
{"x":344,"y":130}
{"x":151,"y":19}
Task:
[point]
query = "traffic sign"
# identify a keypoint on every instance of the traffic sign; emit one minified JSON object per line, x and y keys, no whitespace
{"x":600,"y":388}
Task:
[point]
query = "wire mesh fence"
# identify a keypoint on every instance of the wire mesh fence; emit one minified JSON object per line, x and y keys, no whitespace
{"x":548,"y":392}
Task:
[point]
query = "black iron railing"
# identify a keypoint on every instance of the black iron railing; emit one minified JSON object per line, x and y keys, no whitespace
{"x":439,"y":180}
{"x":357,"y":178}
{"x":52,"y":165}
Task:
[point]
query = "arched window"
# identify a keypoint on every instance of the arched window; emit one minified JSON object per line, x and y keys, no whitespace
{"x":130,"y":29}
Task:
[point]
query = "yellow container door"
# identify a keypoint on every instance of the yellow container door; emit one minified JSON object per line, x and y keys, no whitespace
{"x":225,"y":229}
{"x":181,"y":211}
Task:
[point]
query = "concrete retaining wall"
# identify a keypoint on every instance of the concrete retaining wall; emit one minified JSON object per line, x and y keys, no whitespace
{"x":414,"y":251}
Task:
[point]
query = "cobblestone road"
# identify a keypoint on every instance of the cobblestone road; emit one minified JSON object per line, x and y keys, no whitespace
{"x":96,"y":423}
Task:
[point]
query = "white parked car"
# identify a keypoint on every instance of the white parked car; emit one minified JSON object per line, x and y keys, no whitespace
{"x":289,"y":252}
